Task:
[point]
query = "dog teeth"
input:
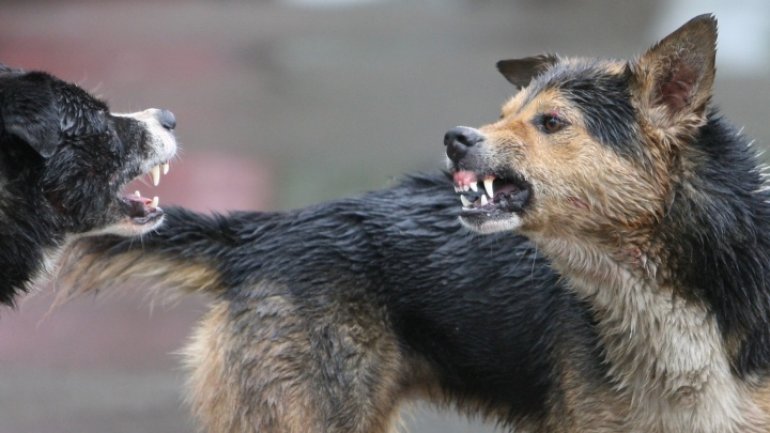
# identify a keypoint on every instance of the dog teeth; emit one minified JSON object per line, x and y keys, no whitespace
{"x":155,"y":201}
{"x":155,"y":173}
{"x":488,"y":182}
{"x":136,"y":193}
{"x":166,"y":168}
{"x":484,"y":200}
{"x":474,"y":186}
{"x":465,"y":201}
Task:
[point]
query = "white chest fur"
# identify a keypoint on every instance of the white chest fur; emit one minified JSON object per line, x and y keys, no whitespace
{"x":666,"y":354}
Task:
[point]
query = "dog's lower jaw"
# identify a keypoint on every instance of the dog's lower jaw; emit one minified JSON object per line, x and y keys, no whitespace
{"x":489,"y":226}
{"x":127,"y":228}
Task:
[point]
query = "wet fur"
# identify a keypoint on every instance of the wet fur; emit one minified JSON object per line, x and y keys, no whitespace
{"x":328,"y":318}
{"x":62,"y":159}
{"x":331,"y":317}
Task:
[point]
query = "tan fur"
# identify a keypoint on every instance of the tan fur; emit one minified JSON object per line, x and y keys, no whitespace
{"x":155,"y":271}
{"x":262,"y":365}
{"x":217,"y":375}
{"x":243,"y":385}
{"x":585,"y":406}
{"x":760,"y":394}
{"x":572,"y":196}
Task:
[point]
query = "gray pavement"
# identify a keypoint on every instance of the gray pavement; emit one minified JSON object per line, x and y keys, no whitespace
{"x":281,"y":104}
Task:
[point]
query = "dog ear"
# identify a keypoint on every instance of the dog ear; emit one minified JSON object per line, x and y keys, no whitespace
{"x":674,"y":78}
{"x":520,"y":72}
{"x":30,"y":113}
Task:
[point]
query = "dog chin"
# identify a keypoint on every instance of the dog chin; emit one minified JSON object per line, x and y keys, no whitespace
{"x":128,"y":228}
{"x":487,"y":226}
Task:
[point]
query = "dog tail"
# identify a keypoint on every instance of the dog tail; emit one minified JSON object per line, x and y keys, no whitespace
{"x":184,"y":254}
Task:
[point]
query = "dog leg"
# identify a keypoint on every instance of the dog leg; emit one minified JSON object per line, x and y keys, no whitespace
{"x":264,"y":365}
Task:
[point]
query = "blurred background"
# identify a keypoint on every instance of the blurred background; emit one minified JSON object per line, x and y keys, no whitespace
{"x":283,"y":103}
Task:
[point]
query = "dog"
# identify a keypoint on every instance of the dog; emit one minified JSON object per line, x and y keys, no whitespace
{"x":331,"y":317}
{"x":656,"y":212}
{"x":63,"y":161}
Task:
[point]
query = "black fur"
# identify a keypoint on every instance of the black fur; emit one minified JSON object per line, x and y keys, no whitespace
{"x":721,"y":239}
{"x":486,"y":312}
{"x":63,"y":158}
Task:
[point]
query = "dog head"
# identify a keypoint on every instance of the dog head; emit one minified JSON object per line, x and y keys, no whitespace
{"x":64,"y":158}
{"x":587,"y":146}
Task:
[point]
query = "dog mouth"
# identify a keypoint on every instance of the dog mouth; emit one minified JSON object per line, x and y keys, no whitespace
{"x":488,"y":197}
{"x":142,"y":211}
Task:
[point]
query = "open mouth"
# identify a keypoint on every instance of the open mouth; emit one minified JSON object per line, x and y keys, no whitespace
{"x":142,"y":211}
{"x":488,"y":196}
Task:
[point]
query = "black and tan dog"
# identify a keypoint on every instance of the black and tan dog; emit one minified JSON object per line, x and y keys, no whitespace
{"x":63,"y":160}
{"x":656,"y":212}
{"x":326,"y":319}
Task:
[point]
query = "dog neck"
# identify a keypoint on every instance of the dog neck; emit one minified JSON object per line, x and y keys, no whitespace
{"x":665,"y":353}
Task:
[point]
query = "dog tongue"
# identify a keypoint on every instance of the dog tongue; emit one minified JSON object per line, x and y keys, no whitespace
{"x":138,"y":206}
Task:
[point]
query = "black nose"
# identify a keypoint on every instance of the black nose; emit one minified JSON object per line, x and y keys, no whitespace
{"x":166,"y":119}
{"x":459,"y":139}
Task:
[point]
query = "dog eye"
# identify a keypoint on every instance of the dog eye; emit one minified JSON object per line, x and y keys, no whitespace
{"x":551,"y":123}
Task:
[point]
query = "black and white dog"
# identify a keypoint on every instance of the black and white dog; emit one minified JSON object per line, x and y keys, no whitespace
{"x":64,"y":159}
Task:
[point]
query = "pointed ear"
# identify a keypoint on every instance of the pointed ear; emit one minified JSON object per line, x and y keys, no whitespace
{"x":30,"y":113}
{"x":674,"y":78}
{"x":520,"y":72}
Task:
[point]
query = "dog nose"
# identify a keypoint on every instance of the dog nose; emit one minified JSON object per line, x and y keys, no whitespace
{"x":459,"y":140}
{"x":166,"y":119}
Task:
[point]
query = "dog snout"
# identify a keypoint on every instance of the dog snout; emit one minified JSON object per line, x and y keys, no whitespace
{"x":166,"y":119}
{"x":459,"y":140}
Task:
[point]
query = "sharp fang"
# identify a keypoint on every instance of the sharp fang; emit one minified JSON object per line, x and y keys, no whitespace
{"x":474,"y":186}
{"x":155,"y":173}
{"x":136,"y":193}
{"x":465,"y":201}
{"x":166,"y":168}
{"x":155,"y":201}
{"x":484,"y":200}
{"x":488,"y":186}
